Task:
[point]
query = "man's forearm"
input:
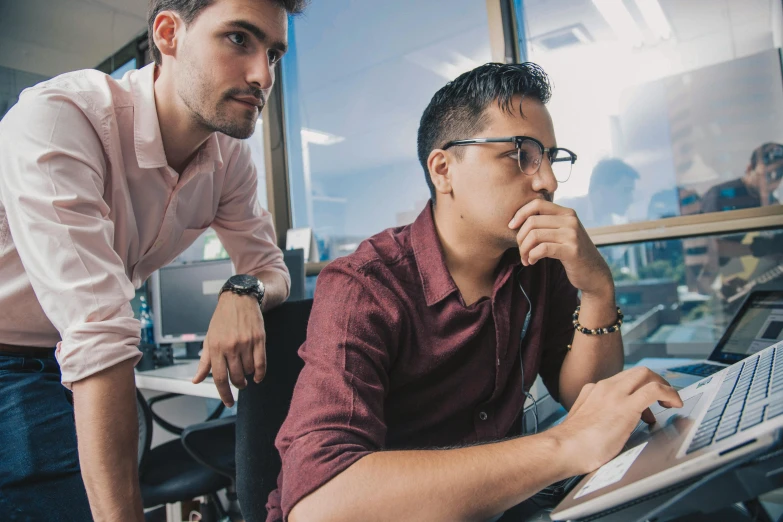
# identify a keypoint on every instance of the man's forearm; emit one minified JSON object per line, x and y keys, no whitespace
{"x":275,"y":289}
{"x":107,"y":431}
{"x":471,"y":483}
{"x":592,"y":357}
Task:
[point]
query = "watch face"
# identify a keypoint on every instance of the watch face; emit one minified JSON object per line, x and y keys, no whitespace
{"x":244,"y":282}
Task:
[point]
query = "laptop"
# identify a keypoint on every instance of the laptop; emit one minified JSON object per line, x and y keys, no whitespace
{"x":757,"y":324}
{"x":731,"y":414}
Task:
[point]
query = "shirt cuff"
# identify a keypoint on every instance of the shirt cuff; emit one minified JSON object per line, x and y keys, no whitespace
{"x":313,"y":460}
{"x":89,"y":348}
{"x":273,"y":269}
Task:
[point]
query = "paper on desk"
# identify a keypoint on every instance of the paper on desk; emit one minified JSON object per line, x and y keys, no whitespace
{"x":612,"y":471}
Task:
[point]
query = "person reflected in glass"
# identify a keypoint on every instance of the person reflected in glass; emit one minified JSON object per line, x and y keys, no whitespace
{"x":430,"y":335}
{"x":756,"y":188}
{"x":609,"y":196}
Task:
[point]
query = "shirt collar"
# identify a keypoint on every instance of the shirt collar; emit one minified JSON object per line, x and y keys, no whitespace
{"x":431,"y":261}
{"x":146,"y":127}
{"x":428,"y":252}
{"x":209,"y":155}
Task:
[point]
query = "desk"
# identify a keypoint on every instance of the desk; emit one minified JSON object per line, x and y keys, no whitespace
{"x":661,"y":364}
{"x":177,"y":379}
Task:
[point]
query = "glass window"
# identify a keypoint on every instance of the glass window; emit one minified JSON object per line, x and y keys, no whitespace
{"x":672,"y":107}
{"x":679,"y":295}
{"x":12,"y":83}
{"x":356,"y":80}
{"x":119,"y":72}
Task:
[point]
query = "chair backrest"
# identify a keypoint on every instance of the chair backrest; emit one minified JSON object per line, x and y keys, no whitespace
{"x":262,"y":408}
{"x":295,"y":263}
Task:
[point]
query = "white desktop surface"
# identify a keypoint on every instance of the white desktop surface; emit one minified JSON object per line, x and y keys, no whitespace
{"x":177,"y":379}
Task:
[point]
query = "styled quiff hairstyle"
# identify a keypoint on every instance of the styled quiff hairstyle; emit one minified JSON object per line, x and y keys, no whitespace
{"x":190,"y":9}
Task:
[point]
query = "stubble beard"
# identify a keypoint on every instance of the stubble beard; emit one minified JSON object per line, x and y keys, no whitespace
{"x":194,"y":92}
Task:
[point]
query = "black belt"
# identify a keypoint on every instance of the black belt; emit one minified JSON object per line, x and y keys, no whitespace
{"x":29,"y":351}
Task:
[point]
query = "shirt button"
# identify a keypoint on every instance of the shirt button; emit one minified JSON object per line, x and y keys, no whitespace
{"x":483,"y":415}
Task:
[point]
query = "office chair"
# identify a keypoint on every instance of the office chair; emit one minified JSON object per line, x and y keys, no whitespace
{"x":199,"y":463}
{"x":295,"y":263}
{"x":262,"y":408}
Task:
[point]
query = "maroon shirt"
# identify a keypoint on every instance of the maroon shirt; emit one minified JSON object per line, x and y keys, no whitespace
{"x":394,"y":359}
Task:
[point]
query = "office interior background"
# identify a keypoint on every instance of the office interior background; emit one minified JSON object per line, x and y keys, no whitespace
{"x":677,"y":95}
{"x":667,"y":103}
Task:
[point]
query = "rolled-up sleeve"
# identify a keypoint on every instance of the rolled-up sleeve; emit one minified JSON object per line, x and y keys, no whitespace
{"x":559,"y":329}
{"x":52,"y":168}
{"x":337,"y":412}
{"x":244,"y":228}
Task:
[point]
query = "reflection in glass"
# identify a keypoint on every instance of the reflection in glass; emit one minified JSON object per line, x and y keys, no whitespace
{"x":612,"y":184}
{"x":682,"y":92}
{"x":756,"y":188}
{"x":679,"y":295}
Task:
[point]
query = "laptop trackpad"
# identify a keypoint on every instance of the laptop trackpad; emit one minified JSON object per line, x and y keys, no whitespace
{"x":671,"y":419}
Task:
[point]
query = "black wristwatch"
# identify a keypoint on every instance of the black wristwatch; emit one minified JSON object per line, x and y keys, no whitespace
{"x":245,"y":285}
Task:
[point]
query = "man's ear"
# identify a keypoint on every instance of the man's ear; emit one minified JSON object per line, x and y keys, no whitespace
{"x":165,"y":31}
{"x":438,"y":164}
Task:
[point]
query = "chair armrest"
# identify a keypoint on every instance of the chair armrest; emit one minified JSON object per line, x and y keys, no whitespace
{"x":171,"y":428}
{"x":213,"y":445}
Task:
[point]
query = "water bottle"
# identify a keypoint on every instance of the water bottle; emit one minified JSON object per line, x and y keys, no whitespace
{"x":147,"y":332}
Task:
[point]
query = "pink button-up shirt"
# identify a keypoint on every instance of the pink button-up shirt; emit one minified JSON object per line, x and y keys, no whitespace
{"x":89,"y":208}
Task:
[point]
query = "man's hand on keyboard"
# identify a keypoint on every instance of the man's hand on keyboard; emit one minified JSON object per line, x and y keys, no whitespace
{"x":606,"y":413}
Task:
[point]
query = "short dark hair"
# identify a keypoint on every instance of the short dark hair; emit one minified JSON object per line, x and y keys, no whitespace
{"x":757,"y":153}
{"x":190,"y":9}
{"x":457,"y":111}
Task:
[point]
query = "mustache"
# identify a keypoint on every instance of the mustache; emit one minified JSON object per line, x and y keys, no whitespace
{"x":252,"y":91}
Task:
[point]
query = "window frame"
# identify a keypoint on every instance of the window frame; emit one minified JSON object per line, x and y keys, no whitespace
{"x":507,"y":43}
{"x":135,"y":49}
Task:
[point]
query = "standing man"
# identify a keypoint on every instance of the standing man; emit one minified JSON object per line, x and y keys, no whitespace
{"x":101,"y":183}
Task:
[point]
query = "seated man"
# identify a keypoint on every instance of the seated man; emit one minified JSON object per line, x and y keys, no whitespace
{"x":756,"y":188}
{"x":424,"y":339}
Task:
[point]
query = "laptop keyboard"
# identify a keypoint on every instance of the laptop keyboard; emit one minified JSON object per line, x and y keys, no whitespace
{"x":739,"y":403}
{"x":701,"y":369}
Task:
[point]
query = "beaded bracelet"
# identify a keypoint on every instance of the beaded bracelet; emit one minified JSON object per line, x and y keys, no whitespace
{"x":598,"y":331}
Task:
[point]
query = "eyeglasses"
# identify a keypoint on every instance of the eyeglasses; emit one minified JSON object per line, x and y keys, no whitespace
{"x":530,"y":153}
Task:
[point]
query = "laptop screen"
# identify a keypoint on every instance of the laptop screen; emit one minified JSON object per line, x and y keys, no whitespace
{"x":757,"y":324}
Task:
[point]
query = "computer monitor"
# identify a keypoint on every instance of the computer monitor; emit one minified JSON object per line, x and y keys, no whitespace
{"x":184,"y":298}
{"x":756,"y":325}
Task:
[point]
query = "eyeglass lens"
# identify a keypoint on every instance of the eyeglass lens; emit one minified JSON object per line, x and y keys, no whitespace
{"x":531,"y":155}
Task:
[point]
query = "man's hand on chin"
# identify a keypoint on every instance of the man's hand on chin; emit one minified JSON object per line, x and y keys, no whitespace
{"x":545,"y":229}
{"x":235,"y":345}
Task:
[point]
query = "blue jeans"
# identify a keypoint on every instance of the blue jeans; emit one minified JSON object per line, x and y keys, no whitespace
{"x":40,"y":479}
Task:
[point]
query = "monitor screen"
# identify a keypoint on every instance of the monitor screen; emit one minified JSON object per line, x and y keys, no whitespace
{"x":185,"y":297}
{"x":757,"y":325}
